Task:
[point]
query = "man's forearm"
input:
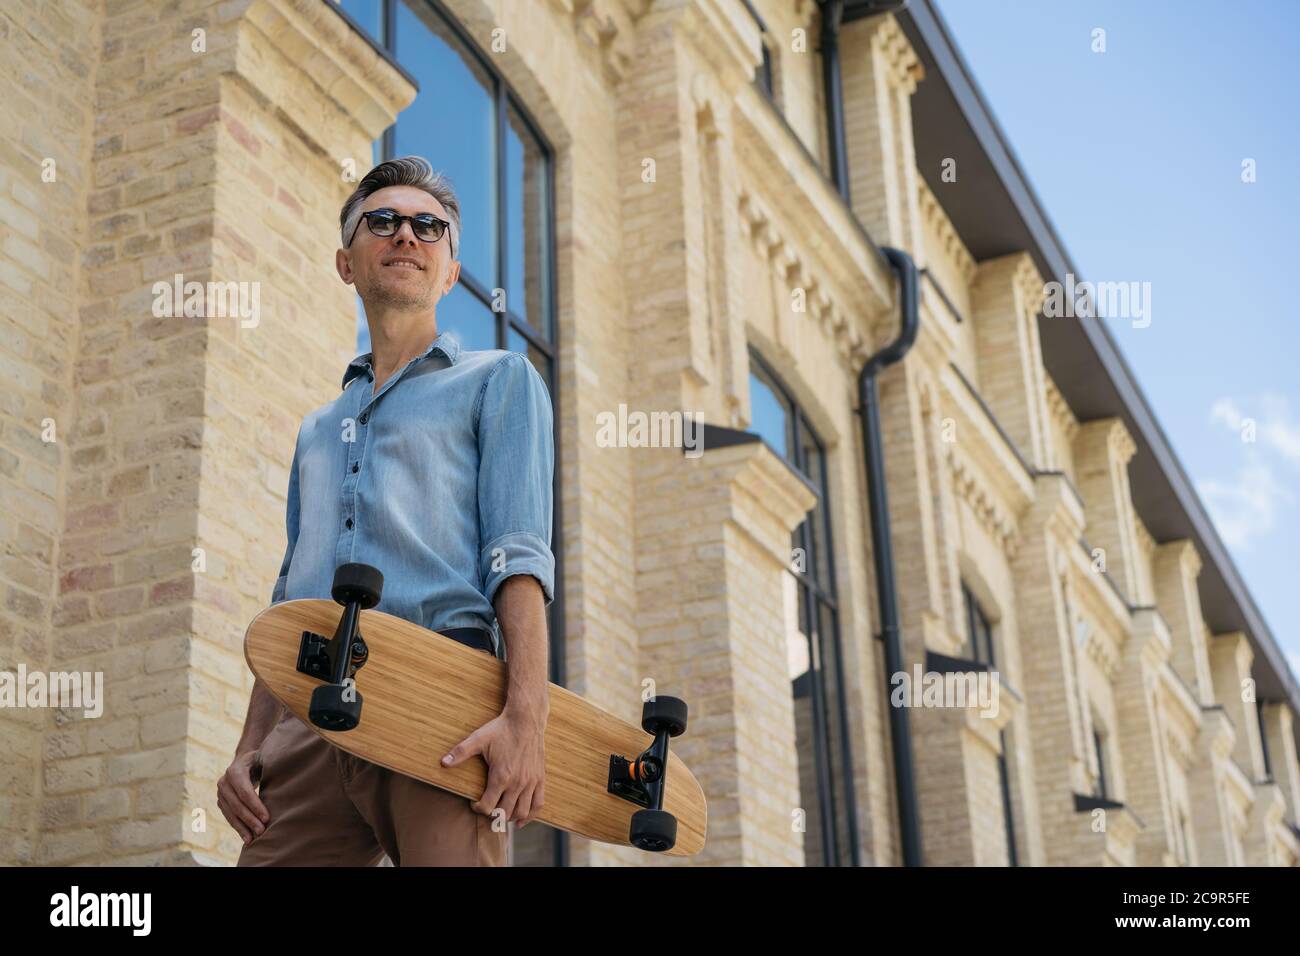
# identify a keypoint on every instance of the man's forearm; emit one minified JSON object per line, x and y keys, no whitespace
{"x":521,"y":611}
{"x":263,"y":713}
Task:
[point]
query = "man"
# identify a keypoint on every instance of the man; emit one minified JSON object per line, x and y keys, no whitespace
{"x":435,"y":466}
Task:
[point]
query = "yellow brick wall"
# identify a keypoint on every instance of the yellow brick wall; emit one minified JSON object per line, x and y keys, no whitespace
{"x":46,"y":154}
{"x":179,"y":429}
{"x":174,"y":435}
{"x":798,"y":71}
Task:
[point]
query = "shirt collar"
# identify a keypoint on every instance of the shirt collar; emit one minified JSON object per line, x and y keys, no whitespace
{"x":445,"y":343}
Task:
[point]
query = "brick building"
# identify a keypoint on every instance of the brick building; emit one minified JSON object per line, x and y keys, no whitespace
{"x":682,"y":205}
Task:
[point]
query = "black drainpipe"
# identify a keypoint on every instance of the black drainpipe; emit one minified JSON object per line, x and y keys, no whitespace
{"x":909,"y":823}
{"x":832,"y":15}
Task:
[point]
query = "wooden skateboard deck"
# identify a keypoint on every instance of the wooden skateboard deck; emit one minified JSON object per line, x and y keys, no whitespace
{"x":423,"y":692}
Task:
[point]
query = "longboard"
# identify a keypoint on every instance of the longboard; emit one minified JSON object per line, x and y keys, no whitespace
{"x":422,"y":692}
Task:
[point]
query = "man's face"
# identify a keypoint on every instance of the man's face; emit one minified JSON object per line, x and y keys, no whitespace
{"x":399,"y":270}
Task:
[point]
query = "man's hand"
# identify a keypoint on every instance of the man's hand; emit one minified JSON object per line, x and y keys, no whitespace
{"x":514,"y":748}
{"x":237,"y":797}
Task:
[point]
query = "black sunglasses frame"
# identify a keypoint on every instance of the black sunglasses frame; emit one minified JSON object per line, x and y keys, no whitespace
{"x":398,"y":220}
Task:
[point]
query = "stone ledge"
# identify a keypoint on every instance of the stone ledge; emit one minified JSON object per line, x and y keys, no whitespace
{"x":1150,"y":640}
{"x":342,"y":64}
{"x":1057,"y":502}
{"x":743,"y":461}
{"x":725,"y":32}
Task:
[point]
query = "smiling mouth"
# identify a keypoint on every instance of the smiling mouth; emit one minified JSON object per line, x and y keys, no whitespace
{"x":403,"y":264}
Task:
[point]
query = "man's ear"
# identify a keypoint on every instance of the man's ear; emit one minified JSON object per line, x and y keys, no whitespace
{"x":343,"y":263}
{"x":453,"y":275}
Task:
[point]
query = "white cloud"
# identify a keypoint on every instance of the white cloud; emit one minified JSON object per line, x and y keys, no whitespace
{"x":1246,"y":507}
{"x":1225,"y":410}
{"x":1278,"y":431}
{"x":1273,"y":429}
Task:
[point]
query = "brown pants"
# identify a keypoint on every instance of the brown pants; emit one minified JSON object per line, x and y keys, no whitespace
{"x":329,"y":808}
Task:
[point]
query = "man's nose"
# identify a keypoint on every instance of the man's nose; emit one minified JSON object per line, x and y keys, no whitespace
{"x":405,"y":233}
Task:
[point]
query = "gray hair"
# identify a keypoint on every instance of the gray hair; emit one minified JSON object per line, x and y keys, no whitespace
{"x":407,"y":171}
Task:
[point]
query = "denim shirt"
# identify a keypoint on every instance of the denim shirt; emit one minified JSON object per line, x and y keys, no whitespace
{"x":442,"y":481}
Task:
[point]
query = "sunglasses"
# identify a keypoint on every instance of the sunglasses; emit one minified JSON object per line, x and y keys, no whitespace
{"x":385,"y":222}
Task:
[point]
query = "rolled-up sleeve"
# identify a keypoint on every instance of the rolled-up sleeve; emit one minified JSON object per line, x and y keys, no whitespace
{"x":516,"y":470}
{"x":291,"y":517}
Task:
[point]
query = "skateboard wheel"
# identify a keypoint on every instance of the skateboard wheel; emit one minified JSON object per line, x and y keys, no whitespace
{"x":653,"y":830}
{"x":330,"y":710}
{"x":666,"y":712}
{"x":361,"y":583}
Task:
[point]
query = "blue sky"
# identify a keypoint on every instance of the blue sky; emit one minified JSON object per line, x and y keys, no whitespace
{"x":1136,"y":153}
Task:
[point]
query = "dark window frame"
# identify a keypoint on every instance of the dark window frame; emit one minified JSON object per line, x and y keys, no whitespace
{"x":1099,"y":750}
{"x":817,"y":588}
{"x":765,"y":76}
{"x":977,"y":624}
{"x":1184,"y":843}
{"x":1263,"y":737}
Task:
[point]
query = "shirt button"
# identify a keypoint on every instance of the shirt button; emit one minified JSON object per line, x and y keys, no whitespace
{"x":349,"y":523}
{"x":354,"y":468}
{"x":365,"y":418}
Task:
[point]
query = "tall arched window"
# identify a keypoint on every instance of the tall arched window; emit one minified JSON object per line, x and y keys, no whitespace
{"x":468,"y":124}
{"x":813,"y":639}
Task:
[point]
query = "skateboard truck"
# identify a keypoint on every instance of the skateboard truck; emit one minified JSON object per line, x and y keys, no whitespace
{"x":336,"y":705}
{"x":641,"y":780}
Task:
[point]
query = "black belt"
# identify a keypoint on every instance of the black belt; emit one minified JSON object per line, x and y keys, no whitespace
{"x":479,"y":638}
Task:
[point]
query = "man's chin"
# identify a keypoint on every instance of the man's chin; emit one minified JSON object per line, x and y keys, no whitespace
{"x":396,"y":296}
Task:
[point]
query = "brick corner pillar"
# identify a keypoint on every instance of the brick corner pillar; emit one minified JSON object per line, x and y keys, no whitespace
{"x":1279,"y":739}
{"x":1210,"y":785}
{"x":1005,"y":300}
{"x":1055,"y":720}
{"x":715,"y":578}
{"x":1267,"y":834}
{"x":48,"y":52}
{"x":960,"y":784}
{"x":1102,"y":451}
{"x":1142,"y":741}
{"x":1230,"y":657}
{"x":1176,"y":566}
{"x":226,"y":139}
{"x":880,"y":72}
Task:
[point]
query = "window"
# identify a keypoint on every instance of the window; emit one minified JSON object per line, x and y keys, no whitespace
{"x":817,"y":683}
{"x":502,"y":171}
{"x":979,"y":641}
{"x":766,"y":77}
{"x":1263,"y":738}
{"x":1099,"y":750}
{"x":469,"y":124}
{"x":1184,"y":845}
{"x":978,"y":630}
